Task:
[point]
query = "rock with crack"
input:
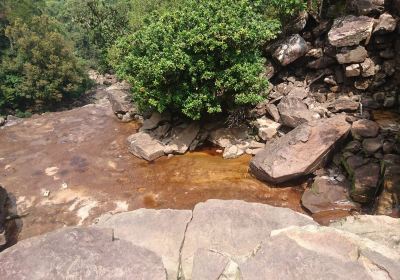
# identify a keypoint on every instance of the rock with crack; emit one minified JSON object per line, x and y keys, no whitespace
{"x":161,"y":231}
{"x":294,"y":112}
{"x":313,"y":252}
{"x":80,"y":253}
{"x":350,"y":31}
{"x":344,"y":104}
{"x":301,"y":151}
{"x":290,"y":49}
{"x":181,"y":137}
{"x":234,"y":228}
{"x":144,"y":145}
{"x":267,"y":129}
{"x":328,"y":194}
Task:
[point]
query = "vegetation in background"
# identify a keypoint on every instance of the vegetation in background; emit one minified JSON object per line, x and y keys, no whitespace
{"x":194,"y":57}
{"x":202,"y":57}
{"x":39,"y":70}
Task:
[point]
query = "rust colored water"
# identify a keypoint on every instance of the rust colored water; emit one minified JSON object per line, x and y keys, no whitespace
{"x":81,"y":157}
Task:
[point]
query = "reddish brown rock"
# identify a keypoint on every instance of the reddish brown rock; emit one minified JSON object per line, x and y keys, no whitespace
{"x":301,"y":151}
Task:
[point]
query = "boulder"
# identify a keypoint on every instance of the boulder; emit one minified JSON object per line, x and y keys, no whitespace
{"x":381,"y":229}
{"x":224,"y":137}
{"x":364,"y":129}
{"x":365,"y":181}
{"x":353,"y":70}
{"x":386,"y":24}
{"x":121,"y":101}
{"x":144,"y":145}
{"x":327,"y":194}
{"x":366,"y":7}
{"x":350,"y":31}
{"x":367,"y":68}
{"x":233,"y":151}
{"x":272,"y":110}
{"x":80,"y":253}
{"x":344,"y":105}
{"x":160,"y":231}
{"x":267,"y":129}
{"x":2,"y":121}
{"x":294,"y":112}
{"x":234,"y":228}
{"x":357,"y":55}
{"x":155,"y":119}
{"x":372,"y":145}
{"x":290,"y":49}
{"x":301,"y":151}
{"x":181,"y":138}
{"x":388,"y":201}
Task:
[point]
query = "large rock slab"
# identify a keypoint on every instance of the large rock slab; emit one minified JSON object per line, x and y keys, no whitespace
{"x":79,"y":253}
{"x":381,"y":229}
{"x":314,"y":252}
{"x":161,"y":231}
{"x":290,"y":49}
{"x":301,"y":151}
{"x":144,"y":145}
{"x":350,"y":31}
{"x":294,"y":111}
{"x":234,"y":228}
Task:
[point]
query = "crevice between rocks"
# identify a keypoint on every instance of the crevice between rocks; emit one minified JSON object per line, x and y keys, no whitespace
{"x":180,"y":270}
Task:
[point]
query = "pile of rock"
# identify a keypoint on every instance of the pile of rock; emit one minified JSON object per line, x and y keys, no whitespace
{"x":217,"y":240}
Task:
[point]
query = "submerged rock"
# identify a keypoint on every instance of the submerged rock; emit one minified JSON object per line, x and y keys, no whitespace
{"x":327,"y":194}
{"x":301,"y":151}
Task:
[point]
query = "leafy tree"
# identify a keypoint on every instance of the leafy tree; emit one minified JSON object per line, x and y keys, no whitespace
{"x":40,"y":70}
{"x":201,"y":58}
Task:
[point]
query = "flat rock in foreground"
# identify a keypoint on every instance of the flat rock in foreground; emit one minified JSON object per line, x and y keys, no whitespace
{"x":234,"y":228}
{"x":301,"y":151}
{"x":161,"y":231}
{"x":79,"y":253}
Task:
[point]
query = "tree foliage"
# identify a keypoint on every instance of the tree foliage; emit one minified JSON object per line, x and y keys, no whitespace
{"x":40,"y":70}
{"x":202,"y":58}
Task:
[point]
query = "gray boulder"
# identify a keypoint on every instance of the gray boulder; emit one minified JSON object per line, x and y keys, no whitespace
{"x":145,"y":146}
{"x":79,"y":253}
{"x":290,"y":49}
{"x":350,"y":30}
{"x":301,"y":151}
{"x":294,"y":111}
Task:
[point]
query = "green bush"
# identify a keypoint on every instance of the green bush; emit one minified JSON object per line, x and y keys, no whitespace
{"x":202,"y":58}
{"x":40,"y":70}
